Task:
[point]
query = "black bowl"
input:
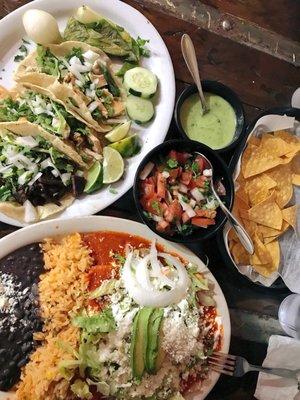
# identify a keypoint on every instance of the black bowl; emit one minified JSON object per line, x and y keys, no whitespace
{"x":278,"y":285}
{"x":227,"y":94}
{"x":220,"y":171}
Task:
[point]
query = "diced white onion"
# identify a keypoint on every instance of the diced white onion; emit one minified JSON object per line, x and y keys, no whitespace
{"x":30,"y":212}
{"x":23,"y":178}
{"x":90,"y":93}
{"x":35,"y":178}
{"x":78,"y":83}
{"x":165,"y":174}
{"x":90,"y":55}
{"x":65,"y":178}
{"x":183,"y":188}
{"x":207,"y":172}
{"x":28,"y":141}
{"x":55,"y":122}
{"x":146,"y":170}
{"x":157,"y":218}
{"x":47,"y":163}
{"x":39,"y":110}
{"x":93,"y":105}
{"x":198,"y":196}
{"x":55,"y":173}
{"x":192,"y":203}
{"x":190,"y":212}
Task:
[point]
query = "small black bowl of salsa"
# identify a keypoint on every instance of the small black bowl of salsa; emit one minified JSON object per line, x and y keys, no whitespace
{"x":222,"y":127}
{"x":172,"y":194}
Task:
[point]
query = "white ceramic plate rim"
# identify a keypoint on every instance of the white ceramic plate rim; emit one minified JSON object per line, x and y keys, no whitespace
{"x":11,"y":32}
{"x":44,"y":229}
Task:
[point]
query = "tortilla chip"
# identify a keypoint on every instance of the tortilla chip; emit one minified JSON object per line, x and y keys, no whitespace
{"x":296,"y":179}
{"x":274,"y":250}
{"x":290,"y":215}
{"x":250,"y":226}
{"x":295,"y":165}
{"x":266,"y":213}
{"x":268,"y":232}
{"x":254,"y":140}
{"x":260,"y":160}
{"x":284,"y":190}
{"x":287,"y":136}
{"x":261,"y":251}
{"x":275,"y":145}
{"x":246,"y":157}
{"x":240,"y":255}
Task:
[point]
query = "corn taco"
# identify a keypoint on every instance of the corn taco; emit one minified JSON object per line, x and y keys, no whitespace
{"x":79,"y":75}
{"x":41,"y":107}
{"x":40,"y":175}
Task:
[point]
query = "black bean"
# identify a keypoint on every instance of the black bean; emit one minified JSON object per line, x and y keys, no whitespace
{"x":17,"y":356}
{"x":2,"y":352}
{"x":27,"y":336}
{"x":22,"y":362}
{"x":19,"y":313}
{"x":5,"y":373}
{"x":12,"y":365}
{"x":11,"y":336}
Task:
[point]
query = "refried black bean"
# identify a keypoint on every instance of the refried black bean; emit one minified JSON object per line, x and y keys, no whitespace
{"x":19,"y":310}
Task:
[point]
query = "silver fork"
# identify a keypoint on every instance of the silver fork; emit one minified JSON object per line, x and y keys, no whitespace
{"x":238,"y":366}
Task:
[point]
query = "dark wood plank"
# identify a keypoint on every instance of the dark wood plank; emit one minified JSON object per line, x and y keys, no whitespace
{"x":280,"y":16}
{"x":247,"y":71}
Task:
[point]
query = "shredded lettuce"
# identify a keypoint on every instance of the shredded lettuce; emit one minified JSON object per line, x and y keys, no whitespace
{"x":198,"y":281}
{"x":98,"y":323}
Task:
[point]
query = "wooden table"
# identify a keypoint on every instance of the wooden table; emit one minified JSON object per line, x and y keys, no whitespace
{"x":257,"y":55}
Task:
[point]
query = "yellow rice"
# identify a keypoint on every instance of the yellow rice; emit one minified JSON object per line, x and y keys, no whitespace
{"x":62,"y":292}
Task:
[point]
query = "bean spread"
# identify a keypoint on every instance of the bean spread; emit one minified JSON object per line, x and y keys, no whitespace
{"x":19,"y":310}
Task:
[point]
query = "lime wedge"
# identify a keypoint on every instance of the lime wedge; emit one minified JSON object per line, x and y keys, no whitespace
{"x":113,"y":165}
{"x":127,"y":147}
{"x":119,"y":132}
{"x":94,"y":178}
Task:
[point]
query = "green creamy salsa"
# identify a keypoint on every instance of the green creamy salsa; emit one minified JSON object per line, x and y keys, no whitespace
{"x":215,"y":128}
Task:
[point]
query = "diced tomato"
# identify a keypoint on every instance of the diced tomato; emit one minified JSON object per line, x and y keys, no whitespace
{"x":98,"y":274}
{"x":202,"y":222}
{"x":174,"y":173}
{"x":162,"y":226}
{"x":200,"y":161}
{"x":152,"y":204}
{"x":186,"y":177}
{"x":174,"y":211}
{"x":148,"y":189}
{"x":185,"y":217}
{"x":206,"y":213}
{"x":180,"y":157}
{"x":198,"y":182}
{"x":161,"y":186}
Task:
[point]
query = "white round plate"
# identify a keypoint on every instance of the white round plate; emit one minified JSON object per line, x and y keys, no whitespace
{"x":11,"y":34}
{"x":39,"y":231}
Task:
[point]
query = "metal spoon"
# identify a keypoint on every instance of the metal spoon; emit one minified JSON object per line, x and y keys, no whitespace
{"x":189,"y":55}
{"x":243,"y":236}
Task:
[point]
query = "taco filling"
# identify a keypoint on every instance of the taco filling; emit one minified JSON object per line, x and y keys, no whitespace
{"x":31,"y":169}
{"x":87,"y":74}
{"x":54,"y":118}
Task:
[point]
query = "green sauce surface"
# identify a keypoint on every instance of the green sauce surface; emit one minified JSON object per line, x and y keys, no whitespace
{"x":215,"y":128}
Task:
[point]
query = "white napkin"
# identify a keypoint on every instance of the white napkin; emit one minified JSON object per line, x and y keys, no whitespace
{"x":283,"y":352}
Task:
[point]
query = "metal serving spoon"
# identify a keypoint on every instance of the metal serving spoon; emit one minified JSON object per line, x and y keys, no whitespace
{"x":243,"y":236}
{"x":189,"y":55}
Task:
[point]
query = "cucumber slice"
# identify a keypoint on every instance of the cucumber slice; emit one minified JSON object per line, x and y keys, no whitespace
{"x":138,"y":109}
{"x":140,"y":82}
{"x":119,"y":132}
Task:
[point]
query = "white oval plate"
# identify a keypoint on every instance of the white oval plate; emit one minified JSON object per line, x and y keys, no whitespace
{"x":11,"y":33}
{"x":39,"y":231}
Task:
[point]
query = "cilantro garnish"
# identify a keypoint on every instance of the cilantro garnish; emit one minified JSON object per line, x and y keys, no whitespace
{"x":156,"y":206}
{"x":172,"y":163}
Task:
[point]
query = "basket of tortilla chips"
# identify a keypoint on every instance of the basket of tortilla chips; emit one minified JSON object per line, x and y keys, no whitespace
{"x":267,"y":179}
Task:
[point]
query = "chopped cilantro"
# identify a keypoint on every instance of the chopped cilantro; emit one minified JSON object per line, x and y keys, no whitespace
{"x":172,"y":163}
{"x":147,"y":214}
{"x":23,"y":49}
{"x":195,"y":167}
{"x":186,"y":229}
{"x":185,"y":199}
{"x":112,"y":190}
{"x":25,"y":41}
{"x":119,"y":257}
{"x":156,"y":206}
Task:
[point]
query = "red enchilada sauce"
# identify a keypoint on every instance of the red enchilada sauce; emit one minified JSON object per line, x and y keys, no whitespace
{"x":104,"y":247}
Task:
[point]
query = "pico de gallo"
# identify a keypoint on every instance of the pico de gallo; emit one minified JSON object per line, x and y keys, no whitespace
{"x":175,"y":192}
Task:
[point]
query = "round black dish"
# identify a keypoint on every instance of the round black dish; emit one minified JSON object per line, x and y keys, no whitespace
{"x":220,"y":171}
{"x":227,"y":94}
{"x":278,"y":285}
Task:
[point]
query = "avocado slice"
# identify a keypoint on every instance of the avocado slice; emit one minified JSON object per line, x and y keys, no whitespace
{"x":154,"y":354}
{"x":128,"y":146}
{"x":139,"y":340}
